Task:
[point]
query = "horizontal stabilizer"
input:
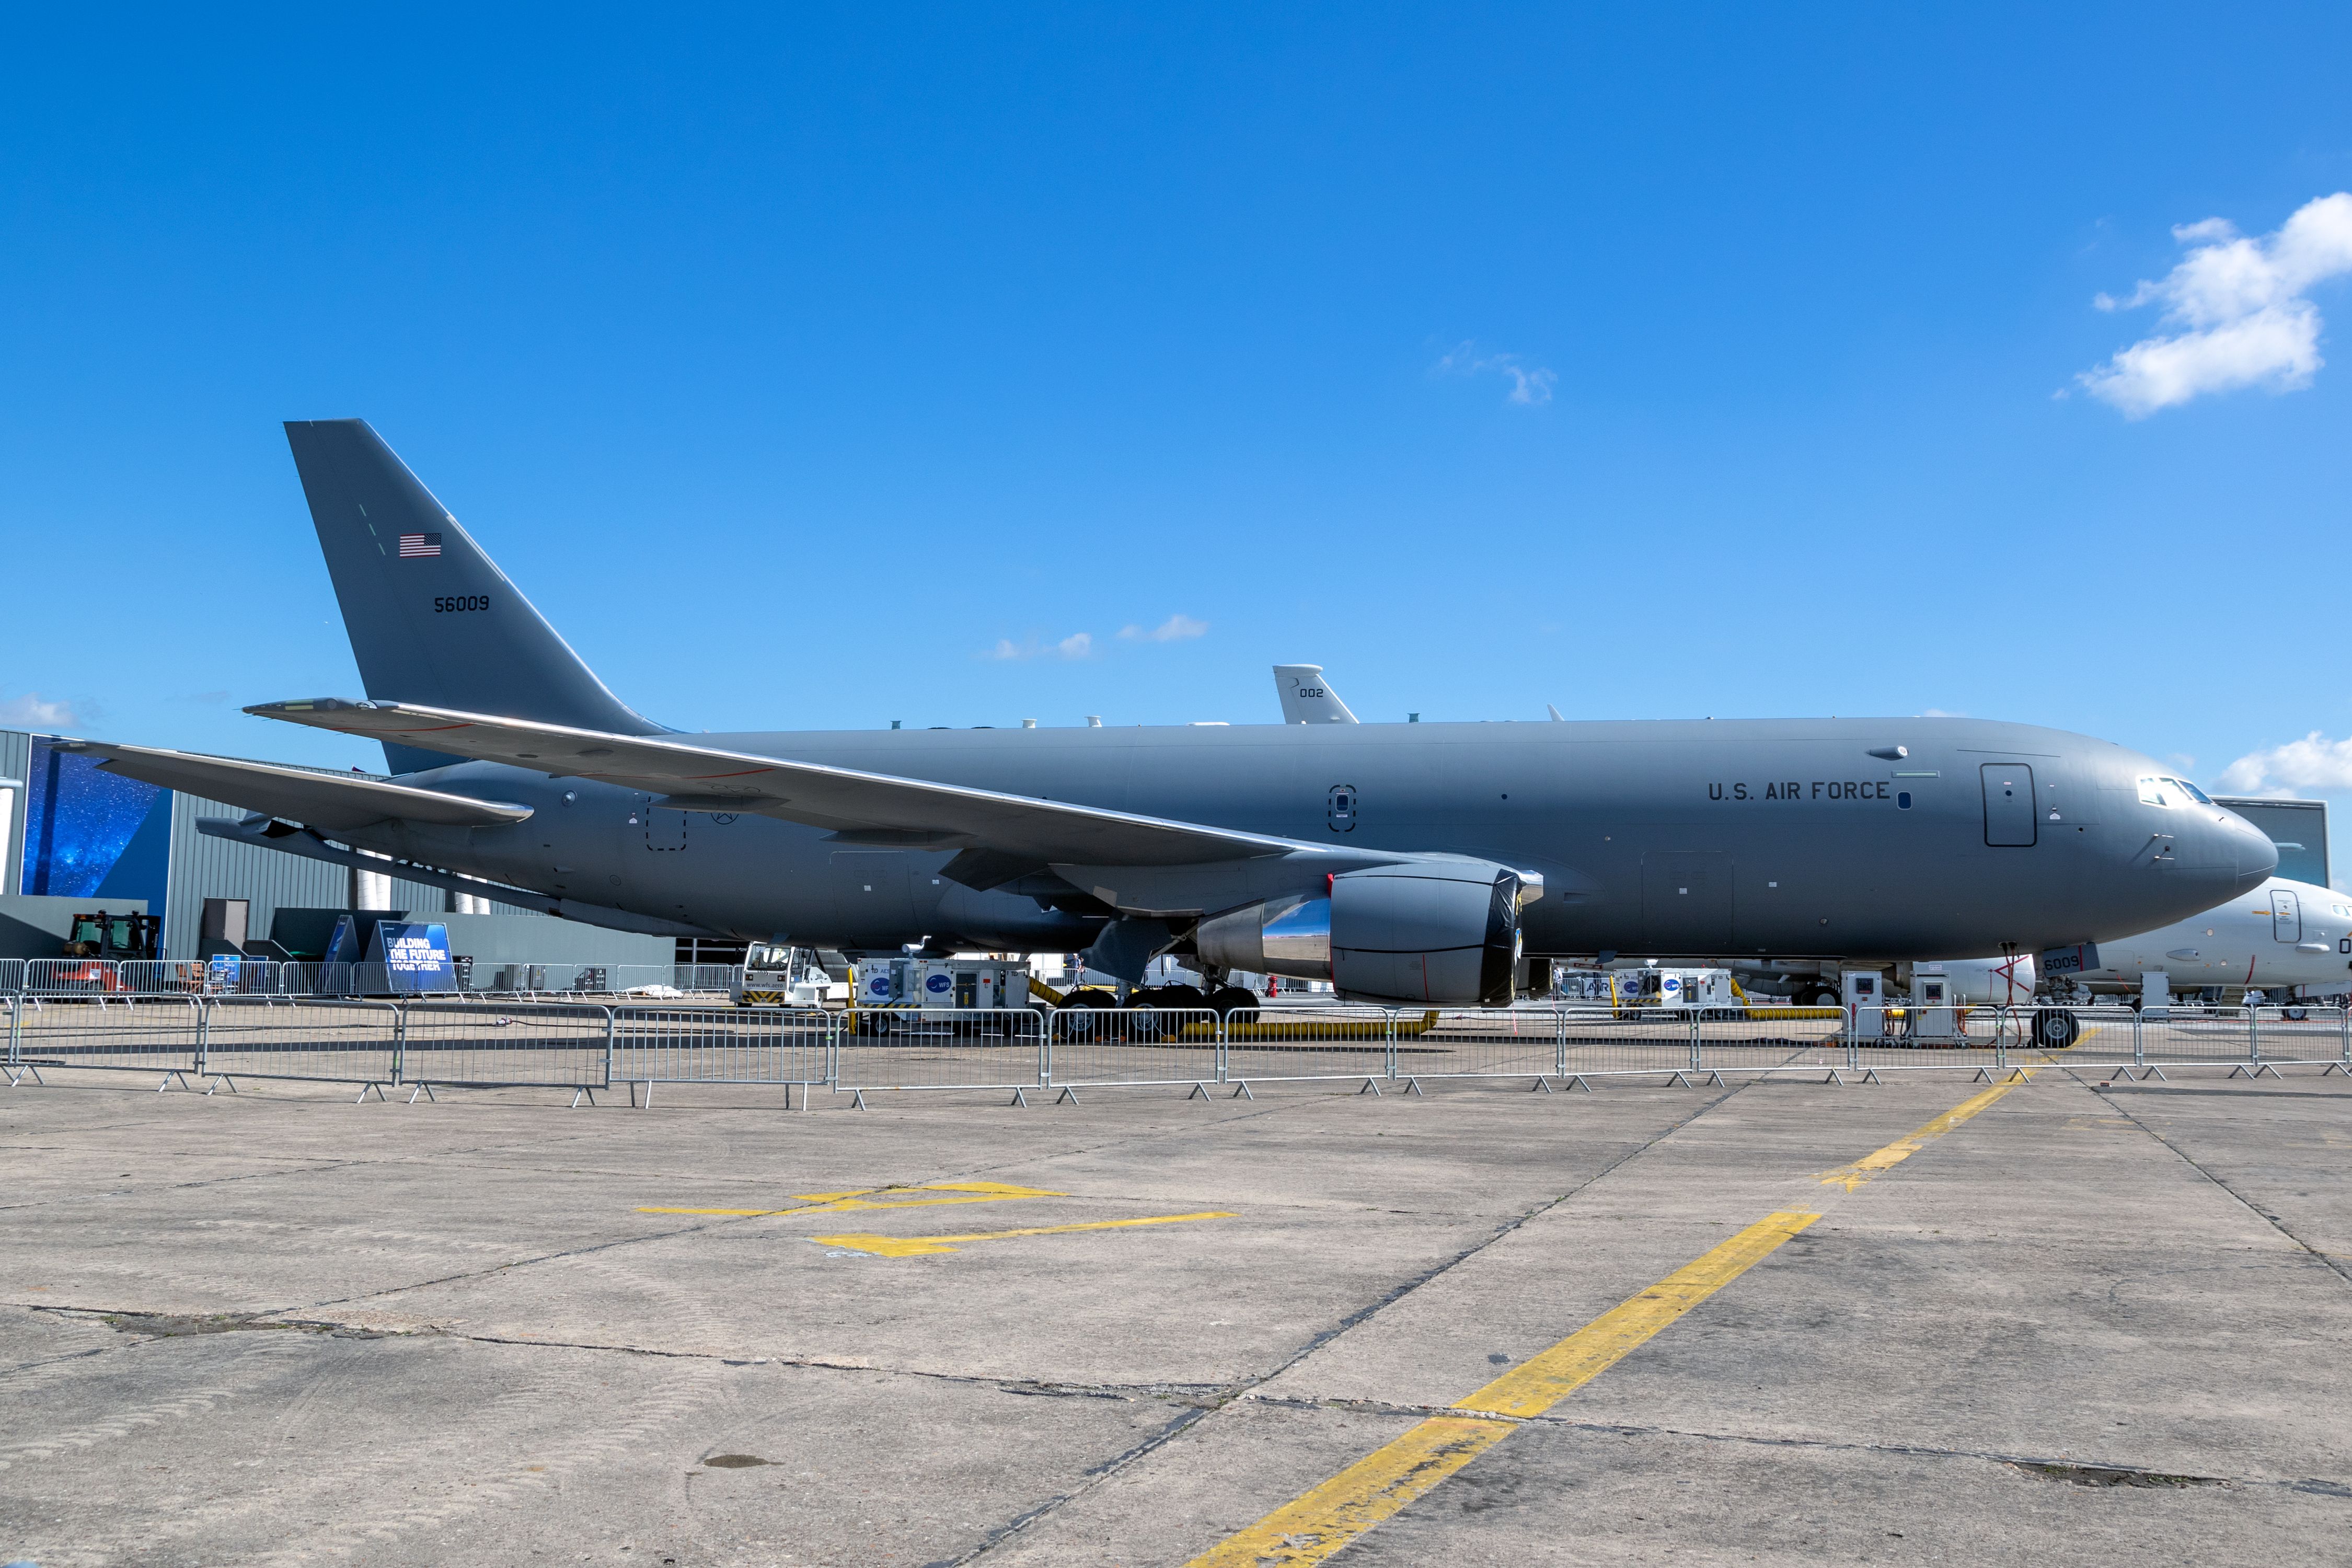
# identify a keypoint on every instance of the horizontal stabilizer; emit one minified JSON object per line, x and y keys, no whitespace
{"x":843,"y":799}
{"x":309,"y":845}
{"x":331,"y":801}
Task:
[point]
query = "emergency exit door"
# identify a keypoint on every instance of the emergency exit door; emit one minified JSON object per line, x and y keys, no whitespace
{"x":2008,"y":804}
{"x":2286,"y":916}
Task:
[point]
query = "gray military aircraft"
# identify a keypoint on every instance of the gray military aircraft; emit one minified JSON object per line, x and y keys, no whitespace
{"x":1401,"y":862}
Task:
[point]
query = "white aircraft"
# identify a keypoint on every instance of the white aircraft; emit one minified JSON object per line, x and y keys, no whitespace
{"x":2282,"y":935}
{"x":1307,"y":697}
{"x":1968,"y":982}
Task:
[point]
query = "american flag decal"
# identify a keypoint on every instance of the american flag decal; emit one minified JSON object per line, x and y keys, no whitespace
{"x":419,"y":544}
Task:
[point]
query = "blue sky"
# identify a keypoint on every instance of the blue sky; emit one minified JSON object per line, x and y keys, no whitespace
{"x":799,"y":364}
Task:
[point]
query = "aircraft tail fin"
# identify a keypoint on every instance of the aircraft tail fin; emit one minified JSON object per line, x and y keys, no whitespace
{"x":431,"y":618}
{"x":1307,"y":697}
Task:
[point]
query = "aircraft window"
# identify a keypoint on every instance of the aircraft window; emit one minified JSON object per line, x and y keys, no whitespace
{"x":2192,"y":790}
{"x":2151,"y":792}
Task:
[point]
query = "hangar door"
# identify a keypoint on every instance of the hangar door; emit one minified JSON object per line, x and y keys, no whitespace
{"x":1686,"y":903}
{"x":2009,"y":804}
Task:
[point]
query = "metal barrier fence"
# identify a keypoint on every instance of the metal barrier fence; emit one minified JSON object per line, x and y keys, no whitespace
{"x":272,"y":977}
{"x":483,"y":1045}
{"x":986,"y":1048}
{"x":310,"y":1038}
{"x":2250,"y":1040}
{"x":1280,"y":1045}
{"x":70,"y":977}
{"x":1103,"y":1048}
{"x":163,"y":1035}
{"x":780,"y":1045}
{"x":423,"y":1042}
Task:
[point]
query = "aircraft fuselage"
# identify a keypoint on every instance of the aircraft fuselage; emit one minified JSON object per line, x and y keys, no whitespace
{"x":1787,"y":837}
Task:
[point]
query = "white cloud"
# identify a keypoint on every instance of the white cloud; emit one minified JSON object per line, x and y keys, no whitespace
{"x":1077,"y":644}
{"x":2241,"y":303}
{"x":1529,"y":387}
{"x":1175,"y":628}
{"x":2312,"y":762}
{"x":1939,"y":713}
{"x":32,"y":711}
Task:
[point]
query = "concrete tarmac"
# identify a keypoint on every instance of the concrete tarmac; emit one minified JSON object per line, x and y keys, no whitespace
{"x":279,"y":1328}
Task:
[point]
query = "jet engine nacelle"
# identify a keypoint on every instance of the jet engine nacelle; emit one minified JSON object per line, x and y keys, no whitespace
{"x":1425,"y":932}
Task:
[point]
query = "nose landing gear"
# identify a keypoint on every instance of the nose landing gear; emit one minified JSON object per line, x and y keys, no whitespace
{"x":2054,"y":1029}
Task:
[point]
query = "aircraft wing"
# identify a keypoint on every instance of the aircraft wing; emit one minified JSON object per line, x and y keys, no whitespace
{"x":330,"y":801}
{"x":869,"y":809}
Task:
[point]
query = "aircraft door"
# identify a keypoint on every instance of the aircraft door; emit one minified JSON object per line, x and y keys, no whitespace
{"x":2008,"y":805}
{"x":663,"y":829}
{"x":2286,"y":916}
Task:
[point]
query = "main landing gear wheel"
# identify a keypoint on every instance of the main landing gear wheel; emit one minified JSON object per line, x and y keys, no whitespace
{"x":1236,"y":1004}
{"x":2054,"y":1029}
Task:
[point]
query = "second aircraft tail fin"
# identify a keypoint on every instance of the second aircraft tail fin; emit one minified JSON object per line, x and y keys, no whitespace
{"x":431,"y":618}
{"x":1307,"y":697}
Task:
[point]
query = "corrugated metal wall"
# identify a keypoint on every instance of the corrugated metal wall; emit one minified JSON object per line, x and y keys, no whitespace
{"x":16,"y":756}
{"x":207,"y":867}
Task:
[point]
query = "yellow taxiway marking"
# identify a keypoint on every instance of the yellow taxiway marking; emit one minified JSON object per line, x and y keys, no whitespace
{"x":1879,"y":1162}
{"x":919,"y":1246}
{"x":865,"y":1198}
{"x":1318,"y":1523}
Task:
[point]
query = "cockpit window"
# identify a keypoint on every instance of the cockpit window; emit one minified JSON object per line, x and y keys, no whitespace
{"x":2152,"y":793}
{"x":2192,"y":790}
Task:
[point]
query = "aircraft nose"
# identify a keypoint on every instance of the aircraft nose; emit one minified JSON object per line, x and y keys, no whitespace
{"x":2248,"y":849}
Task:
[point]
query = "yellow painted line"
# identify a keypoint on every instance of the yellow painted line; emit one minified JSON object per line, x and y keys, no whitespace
{"x":1313,"y":1526}
{"x":857,"y":1198}
{"x":1542,"y":1381}
{"x":919,"y":1246}
{"x":1879,"y":1162}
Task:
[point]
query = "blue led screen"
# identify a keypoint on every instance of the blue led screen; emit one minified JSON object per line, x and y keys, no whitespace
{"x":92,"y":834}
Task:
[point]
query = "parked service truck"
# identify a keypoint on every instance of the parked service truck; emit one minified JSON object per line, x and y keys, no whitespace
{"x":775,"y":977}
{"x":1648,"y":990}
{"x":964,"y":984}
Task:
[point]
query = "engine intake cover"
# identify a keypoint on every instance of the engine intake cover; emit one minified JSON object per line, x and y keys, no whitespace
{"x":1442,"y":932}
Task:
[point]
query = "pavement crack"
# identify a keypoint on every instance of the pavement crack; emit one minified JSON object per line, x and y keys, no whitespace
{"x":2079,"y":1472}
{"x":1241,"y":1389}
{"x":2326,"y":1261}
{"x":1012,"y":1528}
{"x":1438,"y":1270}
